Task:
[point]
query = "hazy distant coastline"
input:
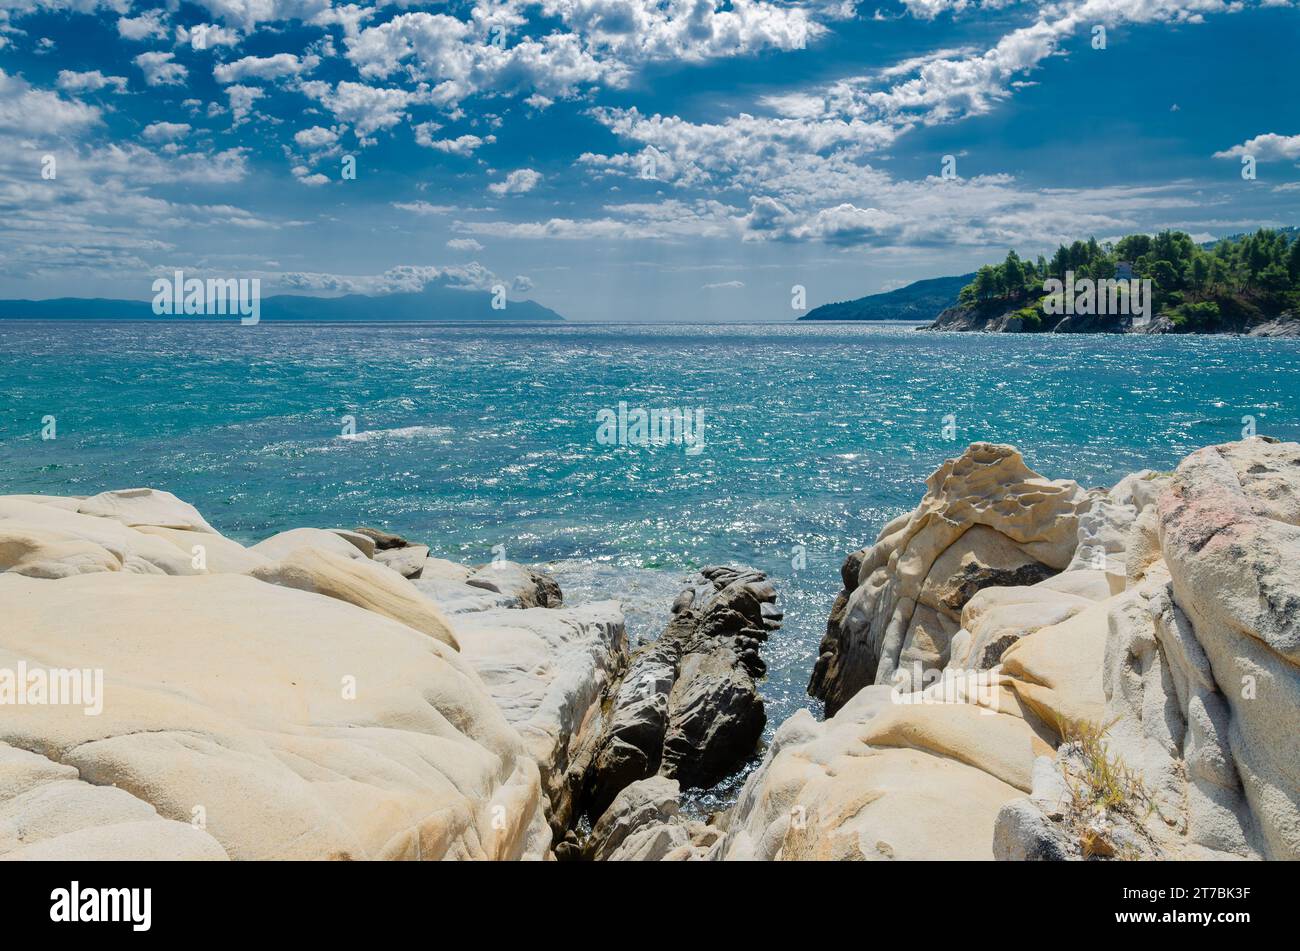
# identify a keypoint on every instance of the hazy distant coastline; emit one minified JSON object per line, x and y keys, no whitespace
{"x":431,"y":304}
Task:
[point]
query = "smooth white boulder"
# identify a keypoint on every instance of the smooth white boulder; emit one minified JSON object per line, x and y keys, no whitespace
{"x":286,"y":543}
{"x":300,"y":726}
{"x":358,"y":581}
{"x":547,"y":669}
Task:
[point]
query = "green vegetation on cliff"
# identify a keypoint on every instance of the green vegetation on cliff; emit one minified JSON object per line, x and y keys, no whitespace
{"x":1231,"y":283}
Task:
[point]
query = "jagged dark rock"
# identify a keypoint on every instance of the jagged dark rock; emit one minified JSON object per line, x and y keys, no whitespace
{"x":688,"y":707}
{"x":828,"y":649}
{"x":384,"y":541}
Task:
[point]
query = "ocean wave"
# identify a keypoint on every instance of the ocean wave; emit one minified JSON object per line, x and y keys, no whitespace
{"x":401,"y":432}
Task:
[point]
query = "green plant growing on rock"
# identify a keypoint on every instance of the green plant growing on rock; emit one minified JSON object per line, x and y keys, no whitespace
{"x":1106,"y":795}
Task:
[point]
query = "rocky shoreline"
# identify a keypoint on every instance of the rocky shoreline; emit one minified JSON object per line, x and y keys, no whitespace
{"x":1003,"y":317}
{"x":1019,"y":668}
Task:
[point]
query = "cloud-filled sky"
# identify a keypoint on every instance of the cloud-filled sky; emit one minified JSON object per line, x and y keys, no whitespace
{"x":626,"y":159}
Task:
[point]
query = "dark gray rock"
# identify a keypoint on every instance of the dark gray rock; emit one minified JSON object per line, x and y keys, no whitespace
{"x":383,"y":540}
{"x":688,"y":707}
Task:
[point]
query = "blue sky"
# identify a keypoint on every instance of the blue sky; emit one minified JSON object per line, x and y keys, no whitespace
{"x":625,"y":159}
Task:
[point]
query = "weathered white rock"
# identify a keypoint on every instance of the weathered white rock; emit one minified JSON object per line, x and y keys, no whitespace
{"x":363,"y":543}
{"x":456,"y":597}
{"x":547,"y":670}
{"x":301,"y":727}
{"x":136,"y":507}
{"x":638,"y":824}
{"x":996,"y":618}
{"x":216,"y":553}
{"x":1230,"y":536}
{"x":986,"y":519}
{"x":48,"y":813}
{"x":1184,"y":641}
{"x":407,"y":562}
{"x":362,"y":582}
{"x":443,"y":570}
{"x":525,"y":587}
{"x":822,"y":793}
{"x":48,"y":540}
{"x":286,"y":543}
{"x":1104,"y":527}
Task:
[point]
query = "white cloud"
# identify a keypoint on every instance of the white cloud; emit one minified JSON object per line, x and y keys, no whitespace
{"x":424,"y":208}
{"x":451,"y":55}
{"x":464,"y":244}
{"x":92,"y":81}
{"x":309,"y":178}
{"x":205,"y":36}
{"x":1270,"y":145}
{"x":147,"y":26}
{"x":247,"y":14}
{"x":367,"y":109}
{"x":241,"y":102}
{"x":316,"y":138}
{"x":403,"y":278}
{"x":264,"y":67}
{"x":723,"y":285}
{"x":668,"y":220}
{"x":159,"y":70}
{"x":461,"y":145}
{"x":424,"y":132}
{"x":518,"y":182}
{"x":29,"y":111}
{"x":140,"y":165}
{"x":165,"y":131}
{"x":929,"y":9}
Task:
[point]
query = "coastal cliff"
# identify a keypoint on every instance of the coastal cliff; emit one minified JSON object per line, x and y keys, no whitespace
{"x":1149,"y":284}
{"x":1019,"y":668}
{"x":1015,"y":317}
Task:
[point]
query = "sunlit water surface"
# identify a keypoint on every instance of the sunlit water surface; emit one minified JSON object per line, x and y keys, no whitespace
{"x":471,"y":437}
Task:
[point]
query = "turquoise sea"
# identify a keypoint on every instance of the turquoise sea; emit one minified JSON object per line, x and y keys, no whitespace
{"x":470,"y":437}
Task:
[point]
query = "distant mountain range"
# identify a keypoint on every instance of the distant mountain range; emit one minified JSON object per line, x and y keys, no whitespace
{"x":432,"y":303}
{"x":918,"y":301}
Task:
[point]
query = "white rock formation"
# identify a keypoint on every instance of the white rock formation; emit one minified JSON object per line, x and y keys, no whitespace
{"x":547,"y":670}
{"x":986,"y":519}
{"x":293,"y":699}
{"x":1179,"y":647}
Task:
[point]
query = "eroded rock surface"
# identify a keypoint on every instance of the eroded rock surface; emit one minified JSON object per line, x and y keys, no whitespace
{"x":1142,"y":703}
{"x":688,"y":706}
{"x":986,"y":520}
{"x":293,"y":699}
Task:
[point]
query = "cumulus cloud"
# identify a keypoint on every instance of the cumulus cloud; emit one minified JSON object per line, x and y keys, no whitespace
{"x":463,"y":145}
{"x":247,"y":14}
{"x":165,"y":131}
{"x":464,"y":244}
{"x":367,"y":109}
{"x":405,"y":278}
{"x":26,"y":110}
{"x":1270,"y":145}
{"x":241,"y":102}
{"x":517,"y":182}
{"x":147,"y":26}
{"x":316,"y":138}
{"x":206,"y":36}
{"x":159,"y":70}
{"x":450,"y":55}
{"x":306,"y":176}
{"x":92,"y":81}
{"x":264,"y":67}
